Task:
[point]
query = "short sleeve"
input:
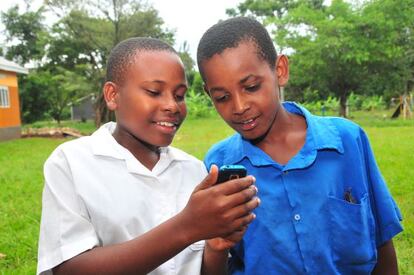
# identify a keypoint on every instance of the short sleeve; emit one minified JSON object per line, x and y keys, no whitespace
{"x":65,"y":229}
{"x":386,"y":213}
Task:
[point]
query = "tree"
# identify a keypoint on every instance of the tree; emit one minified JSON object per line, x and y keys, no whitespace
{"x":343,"y":47}
{"x":88,"y":31}
{"x":197,"y":85}
{"x":360,"y":49}
{"x":392,"y":30}
{"x":64,"y":86}
{"x":33,"y":89}
{"x":28,"y":30}
{"x":75,"y":49}
{"x":188,"y":62}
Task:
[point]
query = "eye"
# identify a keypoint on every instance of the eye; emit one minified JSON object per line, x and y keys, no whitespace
{"x":153,"y":93}
{"x":180,"y":98}
{"x":180,"y":93}
{"x":253,"y":88}
{"x":221,"y":98}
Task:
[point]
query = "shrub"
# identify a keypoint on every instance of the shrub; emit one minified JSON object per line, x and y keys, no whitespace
{"x":198,"y":104}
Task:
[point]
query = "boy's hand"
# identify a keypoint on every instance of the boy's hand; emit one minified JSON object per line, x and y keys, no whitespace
{"x":219,"y":210}
{"x":220,"y":244}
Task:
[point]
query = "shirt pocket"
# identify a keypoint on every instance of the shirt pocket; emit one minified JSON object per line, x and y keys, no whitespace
{"x":352,"y":232}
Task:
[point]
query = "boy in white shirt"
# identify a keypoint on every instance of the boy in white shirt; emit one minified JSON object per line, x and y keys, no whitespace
{"x":121,"y":200}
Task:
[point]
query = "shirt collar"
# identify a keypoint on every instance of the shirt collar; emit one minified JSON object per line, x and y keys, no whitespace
{"x":321,"y":134}
{"x":104,"y":144}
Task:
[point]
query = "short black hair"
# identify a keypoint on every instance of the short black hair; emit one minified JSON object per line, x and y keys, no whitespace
{"x":230,"y":33}
{"x":125,"y":53}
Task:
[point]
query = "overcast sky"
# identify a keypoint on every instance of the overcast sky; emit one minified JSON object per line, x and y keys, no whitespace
{"x":189,"y":18}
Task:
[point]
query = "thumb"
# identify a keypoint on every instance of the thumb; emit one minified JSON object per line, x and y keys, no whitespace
{"x":209,"y":180}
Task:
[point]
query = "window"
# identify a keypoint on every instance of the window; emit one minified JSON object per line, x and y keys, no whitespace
{"x":4,"y":97}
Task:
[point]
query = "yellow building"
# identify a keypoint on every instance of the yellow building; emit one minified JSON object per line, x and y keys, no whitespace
{"x":10,"y":123}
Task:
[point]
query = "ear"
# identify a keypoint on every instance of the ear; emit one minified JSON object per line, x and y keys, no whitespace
{"x":110,"y":91}
{"x":282,"y":70}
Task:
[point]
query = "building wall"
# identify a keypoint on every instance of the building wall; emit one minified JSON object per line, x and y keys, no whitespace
{"x":10,"y":117}
{"x":83,"y":110}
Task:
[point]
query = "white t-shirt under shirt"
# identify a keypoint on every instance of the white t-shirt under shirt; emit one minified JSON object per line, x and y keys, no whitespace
{"x":97,"y":193}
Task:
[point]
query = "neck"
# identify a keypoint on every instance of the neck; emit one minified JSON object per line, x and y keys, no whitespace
{"x":281,"y":126}
{"x":146,"y":153}
{"x":285,"y":137}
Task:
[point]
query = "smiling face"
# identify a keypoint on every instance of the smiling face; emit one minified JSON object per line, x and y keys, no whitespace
{"x":244,"y":89}
{"x":149,"y":104}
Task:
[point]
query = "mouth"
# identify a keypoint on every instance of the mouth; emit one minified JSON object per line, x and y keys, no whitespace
{"x":167,"y":127}
{"x":247,"y":124}
{"x":167,"y":124}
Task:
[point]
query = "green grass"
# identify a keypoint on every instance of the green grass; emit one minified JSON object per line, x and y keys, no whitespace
{"x":394,"y":151}
{"x":21,"y":163}
{"x":21,"y":182}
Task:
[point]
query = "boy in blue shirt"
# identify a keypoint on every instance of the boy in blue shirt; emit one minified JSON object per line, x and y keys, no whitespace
{"x":325,"y":208}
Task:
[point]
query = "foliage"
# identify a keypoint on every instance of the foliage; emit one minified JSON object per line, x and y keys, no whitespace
{"x":198,"y":104}
{"x":29,"y":30}
{"x":330,"y":104}
{"x":71,"y":56}
{"x":92,"y":28}
{"x":342,"y":47}
{"x":33,"y":96}
{"x":188,"y":62}
{"x":64,"y":86}
{"x":198,"y":84}
{"x":354,"y":103}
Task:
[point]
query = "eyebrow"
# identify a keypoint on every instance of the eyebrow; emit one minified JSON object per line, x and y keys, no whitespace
{"x":163,"y":82}
{"x":242,"y":81}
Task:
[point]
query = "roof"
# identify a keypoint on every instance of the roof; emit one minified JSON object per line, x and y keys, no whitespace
{"x":10,"y":66}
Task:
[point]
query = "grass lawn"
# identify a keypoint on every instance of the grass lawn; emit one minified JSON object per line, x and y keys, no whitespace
{"x":21,"y":182}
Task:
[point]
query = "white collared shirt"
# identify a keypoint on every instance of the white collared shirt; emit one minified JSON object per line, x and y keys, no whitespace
{"x":97,"y":193}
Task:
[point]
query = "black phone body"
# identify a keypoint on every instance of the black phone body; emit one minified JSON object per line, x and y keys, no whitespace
{"x":229,"y":172}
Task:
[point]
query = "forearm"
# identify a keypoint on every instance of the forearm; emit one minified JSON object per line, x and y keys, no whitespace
{"x":138,"y":256}
{"x":387,"y":260}
{"x":214,"y":262}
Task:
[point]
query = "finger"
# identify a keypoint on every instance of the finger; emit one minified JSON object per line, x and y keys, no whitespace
{"x":209,"y":180}
{"x":244,"y":220}
{"x":241,"y":197}
{"x":236,"y":236}
{"x":244,"y":209}
{"x":236,"y":185}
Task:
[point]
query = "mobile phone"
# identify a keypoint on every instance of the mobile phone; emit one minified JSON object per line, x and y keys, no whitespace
{"x":230,"y":172}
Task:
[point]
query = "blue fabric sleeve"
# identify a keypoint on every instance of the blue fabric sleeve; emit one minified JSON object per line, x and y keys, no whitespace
{"x":385,"y":210}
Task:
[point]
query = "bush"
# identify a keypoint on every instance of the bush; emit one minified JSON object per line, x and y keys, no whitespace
{"x":331,"y":104}
{"x":355,"y":103}
{"x":198,"y":104}
{"x":373,"y":103}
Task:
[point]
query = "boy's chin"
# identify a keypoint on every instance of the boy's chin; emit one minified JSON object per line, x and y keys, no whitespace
{"x":253,"y":137}
{"x":163,"y":142}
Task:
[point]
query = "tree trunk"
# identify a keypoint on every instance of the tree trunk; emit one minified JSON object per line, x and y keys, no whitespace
{"x":342,"y":105}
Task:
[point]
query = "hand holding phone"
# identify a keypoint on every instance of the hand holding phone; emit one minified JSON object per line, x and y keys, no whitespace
{"x":221,"y":210}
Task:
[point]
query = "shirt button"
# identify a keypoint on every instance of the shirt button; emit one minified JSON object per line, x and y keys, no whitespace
{"x":297,"y":217}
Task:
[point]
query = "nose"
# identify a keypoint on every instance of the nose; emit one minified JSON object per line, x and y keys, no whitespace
{"x":240,"y":104}
{"x":170,"y":104}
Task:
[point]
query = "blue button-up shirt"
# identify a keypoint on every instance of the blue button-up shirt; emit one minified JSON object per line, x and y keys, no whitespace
{"x":325,"y":212}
